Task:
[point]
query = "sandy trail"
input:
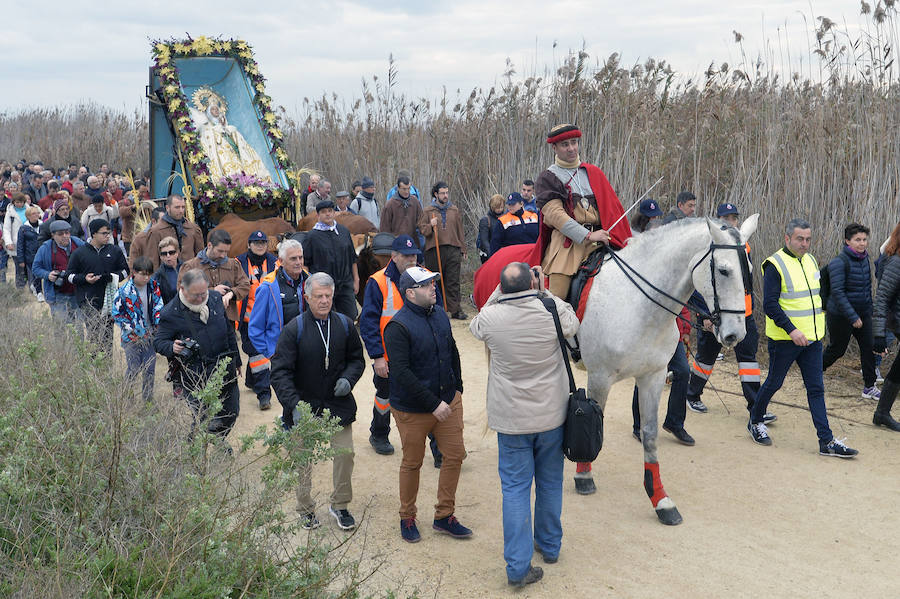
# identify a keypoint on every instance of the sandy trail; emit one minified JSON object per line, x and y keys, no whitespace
{"x":773,"y":521}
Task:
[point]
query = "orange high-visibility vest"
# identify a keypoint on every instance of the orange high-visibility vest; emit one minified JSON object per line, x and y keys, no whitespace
{"x":391,"y":301}
{"x":255,"y":275}
{"x":748,"y":297}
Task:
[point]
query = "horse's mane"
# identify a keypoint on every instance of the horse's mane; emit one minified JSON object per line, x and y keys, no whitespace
{"x":653,"y":236}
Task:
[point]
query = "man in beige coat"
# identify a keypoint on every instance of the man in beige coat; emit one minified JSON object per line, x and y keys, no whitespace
{"x":527,"y":395}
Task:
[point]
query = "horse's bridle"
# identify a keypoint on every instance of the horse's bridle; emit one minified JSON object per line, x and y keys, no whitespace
{"x":716,"y":315}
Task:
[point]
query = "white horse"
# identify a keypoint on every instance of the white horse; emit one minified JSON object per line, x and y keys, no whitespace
{"x":626,"y":334}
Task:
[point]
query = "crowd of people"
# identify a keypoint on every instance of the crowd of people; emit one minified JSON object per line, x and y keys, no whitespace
{"x":73,"y":240}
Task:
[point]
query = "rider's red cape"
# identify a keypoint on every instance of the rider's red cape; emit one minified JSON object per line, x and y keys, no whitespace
{"x":488,"y":276}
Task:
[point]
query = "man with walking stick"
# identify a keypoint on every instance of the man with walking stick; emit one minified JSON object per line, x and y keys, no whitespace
{"x":445,"y":245}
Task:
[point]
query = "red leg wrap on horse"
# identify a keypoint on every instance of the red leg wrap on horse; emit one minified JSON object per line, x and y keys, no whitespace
{"x":582,"y":467}
{"x":652,"y":484}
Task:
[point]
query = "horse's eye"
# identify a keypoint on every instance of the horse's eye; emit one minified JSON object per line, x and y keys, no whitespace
{"x":723,"y":272}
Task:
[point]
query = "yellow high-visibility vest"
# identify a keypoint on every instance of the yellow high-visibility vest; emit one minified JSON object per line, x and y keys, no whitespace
{"x":799,"y":296}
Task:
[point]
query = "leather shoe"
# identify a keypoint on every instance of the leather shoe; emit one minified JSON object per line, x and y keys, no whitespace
{"x":680,"y":434}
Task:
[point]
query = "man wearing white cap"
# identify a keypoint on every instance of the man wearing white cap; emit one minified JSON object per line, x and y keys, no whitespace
{"x":425,"y":397}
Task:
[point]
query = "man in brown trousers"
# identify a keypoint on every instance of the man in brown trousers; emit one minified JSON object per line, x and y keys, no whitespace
{"x":442,"y":221}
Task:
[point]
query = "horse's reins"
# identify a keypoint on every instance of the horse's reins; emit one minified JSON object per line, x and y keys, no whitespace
{"x":716,"y":316}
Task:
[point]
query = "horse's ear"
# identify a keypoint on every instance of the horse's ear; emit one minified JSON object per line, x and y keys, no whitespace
{"x":715,"y":229}
{"x":748,"y":228}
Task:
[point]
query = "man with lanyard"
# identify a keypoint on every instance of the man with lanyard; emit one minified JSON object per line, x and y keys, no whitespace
{"x":256,"y":262}
{"x":708,"y":346}
{"x":278,"y":299}
{"x":329,"y":248}
{"x":382,"y":300}
{"x":795,"y":326}
{"x":174,"y":224}
{"x":577,"y":205}
{"x":50,"y":262}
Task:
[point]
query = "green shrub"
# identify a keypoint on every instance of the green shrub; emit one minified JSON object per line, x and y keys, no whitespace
{"x":102,"y":495}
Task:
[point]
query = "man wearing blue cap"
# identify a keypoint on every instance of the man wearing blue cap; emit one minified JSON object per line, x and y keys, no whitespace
{"x":515,"y":227}
{"x":256,"y":262}
{"x":381,"y":301}
{"x":708,"y":346}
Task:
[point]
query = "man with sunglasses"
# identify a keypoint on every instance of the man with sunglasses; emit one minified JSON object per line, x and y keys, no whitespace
{"x":91,"y":269}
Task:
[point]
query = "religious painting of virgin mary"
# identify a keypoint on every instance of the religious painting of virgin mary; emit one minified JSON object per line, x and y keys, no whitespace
{"x":227,"y":150}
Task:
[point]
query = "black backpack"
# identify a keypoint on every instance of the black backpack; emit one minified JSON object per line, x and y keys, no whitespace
{"x":825,"y":279}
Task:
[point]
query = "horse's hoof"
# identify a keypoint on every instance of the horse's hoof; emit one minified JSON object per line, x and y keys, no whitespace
{"x":585,"y":486}
{"x":669,"y":516}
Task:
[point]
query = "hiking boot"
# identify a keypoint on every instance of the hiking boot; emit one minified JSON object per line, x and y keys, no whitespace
{"x":533,"y":575}
{"x":871,"y":393}
{"x":759,"y":433}
{"x":381,"y":445}
{"x":265,"y":403}
{"x":882,"y":416}
{"x":548,"y":559}
{"x":836,"y":448}
{"x":344,"y":518}
{"x":451,"y":526}
{"x":409,"y":531}
{"x":585,"y":485}
{"x":309,"y":521}
{"x":460,"y":315}
{"x":697,"y":405}
{"x":682,"y":435}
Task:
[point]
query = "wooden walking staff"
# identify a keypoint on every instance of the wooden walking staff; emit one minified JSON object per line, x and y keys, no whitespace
{"x":437,"y":248}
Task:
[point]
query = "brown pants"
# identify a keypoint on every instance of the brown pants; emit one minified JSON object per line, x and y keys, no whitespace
{"x":559,"y":285}
{"x":451,"y":262}
{"x":414,"y":429}
{"x":341,"y":471}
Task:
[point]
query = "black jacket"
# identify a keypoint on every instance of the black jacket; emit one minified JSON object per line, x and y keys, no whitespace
{"x":215,"y":338}
{"x":105,"y":261}
{"x":887,"y":298}
{"x":424,"y":361}
{"x":299,"y":373}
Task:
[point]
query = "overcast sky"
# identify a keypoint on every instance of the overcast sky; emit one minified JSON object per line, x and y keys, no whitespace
{"x":62,"y":52}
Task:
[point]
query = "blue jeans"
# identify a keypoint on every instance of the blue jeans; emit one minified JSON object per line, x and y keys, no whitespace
{"x":677,"y":408}
{"x":521,"y":459}
{"x":65,"y":307}
{"x":809,"y":360}
{"x":141,"y":359}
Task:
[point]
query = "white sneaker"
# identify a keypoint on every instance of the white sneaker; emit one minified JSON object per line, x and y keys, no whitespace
{"x":40,"y":297}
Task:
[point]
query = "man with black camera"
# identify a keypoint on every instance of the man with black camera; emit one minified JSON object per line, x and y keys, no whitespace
{"x":224,"y":274}
{"x":194,"y":332}
{"x":50,"y":264}
{"x":527,"y":395}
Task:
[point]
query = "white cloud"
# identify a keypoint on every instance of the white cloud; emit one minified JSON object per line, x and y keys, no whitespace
{"x":324,"y":46}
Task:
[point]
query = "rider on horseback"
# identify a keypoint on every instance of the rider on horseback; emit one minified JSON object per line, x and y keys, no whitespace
{"x":577,"y":204}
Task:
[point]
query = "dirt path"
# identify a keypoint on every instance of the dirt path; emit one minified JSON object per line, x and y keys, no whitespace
{"x":758,"y":521}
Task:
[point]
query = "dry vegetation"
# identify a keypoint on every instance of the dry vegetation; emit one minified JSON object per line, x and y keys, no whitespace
{"x":820,"y":143}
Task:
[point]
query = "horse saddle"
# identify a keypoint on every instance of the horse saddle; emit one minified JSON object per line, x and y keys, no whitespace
{"x":583,"y":278}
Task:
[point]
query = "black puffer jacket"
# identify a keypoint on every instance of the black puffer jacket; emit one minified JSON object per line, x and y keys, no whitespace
{"x":887,"y":298}
{"x":299,"y":372}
